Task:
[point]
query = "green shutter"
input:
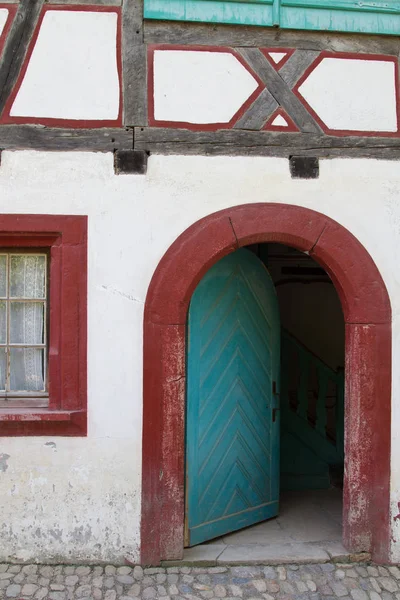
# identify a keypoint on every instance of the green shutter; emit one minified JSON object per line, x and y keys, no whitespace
{"x":358,"y":16}
{"x":236,"y":12}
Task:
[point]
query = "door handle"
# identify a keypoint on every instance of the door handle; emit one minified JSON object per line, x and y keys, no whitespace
{"x":274,"y":411}
{"x":275,"y":393}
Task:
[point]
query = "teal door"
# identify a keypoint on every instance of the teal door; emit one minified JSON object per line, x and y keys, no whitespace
{"x":232,"y":429}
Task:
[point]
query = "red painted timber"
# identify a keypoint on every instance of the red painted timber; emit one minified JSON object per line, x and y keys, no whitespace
{"x":366,"y":307}
{"x":64,"y":237}
{"x":202,"y":245}
{"x":367,"y":438}
{"x":357,"y":280}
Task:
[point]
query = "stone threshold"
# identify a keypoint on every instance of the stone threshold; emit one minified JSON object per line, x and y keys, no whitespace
{"x":209,"y":555}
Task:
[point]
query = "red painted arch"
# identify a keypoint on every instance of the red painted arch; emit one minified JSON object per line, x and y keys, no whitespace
{"x":367,"y":315}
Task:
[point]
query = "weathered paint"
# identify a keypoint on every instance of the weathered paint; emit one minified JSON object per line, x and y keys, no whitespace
{"x":232,"y":435}
{"x":3,"y":462}
{"x":258,"y":12}
{"x":328,"y":15}
{"x":99,"y":477}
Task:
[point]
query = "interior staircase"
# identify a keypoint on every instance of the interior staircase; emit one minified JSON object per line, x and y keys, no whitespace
{"x":312,"y":419}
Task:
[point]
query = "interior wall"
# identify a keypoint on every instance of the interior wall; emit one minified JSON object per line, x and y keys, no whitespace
{"x":309,"y":304}
{"x":312,"y":313}
{"x":310,"y":310}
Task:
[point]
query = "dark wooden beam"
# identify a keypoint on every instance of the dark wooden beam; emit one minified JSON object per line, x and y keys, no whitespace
{"x":130,"y":162}
{"x":262,"y":143}
{"x":169,"y":32}
{"x":134,"y":63}
{"x":259,"y":112}
{"x":295,"y":67}
{"x":182,"y":141}
{"x":30,"y":137}
{"x":280,"y":90}
{"x":17,"y":45}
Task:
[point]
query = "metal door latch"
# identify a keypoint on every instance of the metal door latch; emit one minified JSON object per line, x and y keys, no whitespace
{"x":275,"y":393}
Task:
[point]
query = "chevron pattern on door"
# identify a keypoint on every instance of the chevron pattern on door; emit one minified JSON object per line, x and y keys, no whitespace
{"x":232,"y":439}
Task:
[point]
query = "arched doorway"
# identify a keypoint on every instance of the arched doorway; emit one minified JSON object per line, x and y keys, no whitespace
{"x":367,"y":315}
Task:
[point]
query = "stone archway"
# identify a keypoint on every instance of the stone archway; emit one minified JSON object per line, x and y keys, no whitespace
{"x":367,"y":316}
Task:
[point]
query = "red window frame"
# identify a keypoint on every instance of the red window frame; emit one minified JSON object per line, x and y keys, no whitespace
{"x":64,"y":237}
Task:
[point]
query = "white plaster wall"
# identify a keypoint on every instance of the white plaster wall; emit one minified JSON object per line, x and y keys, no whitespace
{"x":3,"y":18}
{"x":80,"y":499}
{"x":199,"y":86}
{"x":335,"y":89}
{"x":72,"y":73}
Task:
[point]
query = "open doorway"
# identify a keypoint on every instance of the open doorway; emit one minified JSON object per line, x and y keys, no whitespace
{"x":367,"y":315}
{"x":243,"y":482}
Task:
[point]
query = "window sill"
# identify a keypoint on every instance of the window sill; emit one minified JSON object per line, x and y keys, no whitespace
{"x":36,"y":421}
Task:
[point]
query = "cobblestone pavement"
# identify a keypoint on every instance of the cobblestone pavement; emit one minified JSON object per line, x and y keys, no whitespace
{"x":298,"y":582}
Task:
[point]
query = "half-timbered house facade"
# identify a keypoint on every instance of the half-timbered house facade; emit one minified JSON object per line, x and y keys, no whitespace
{"x":178,"y":179}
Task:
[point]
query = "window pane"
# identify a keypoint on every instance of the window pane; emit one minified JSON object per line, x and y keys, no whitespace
{"x":27,"y":323}
{"x":3,"y":275}
{"x":3,"y":369}
{"x":28,"y":276}
{"x":27,"y":370}
{"x":3,"y":322}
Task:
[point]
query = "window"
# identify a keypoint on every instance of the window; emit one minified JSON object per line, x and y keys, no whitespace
{"x":23,"y":325}
{"x":43,"y":280}
{"x":357,"y":16}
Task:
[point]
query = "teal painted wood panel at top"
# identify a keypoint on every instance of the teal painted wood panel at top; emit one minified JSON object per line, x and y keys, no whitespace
{"x":357,"y":16}
{"x":256,"y":12}
{"x":232,"y":441}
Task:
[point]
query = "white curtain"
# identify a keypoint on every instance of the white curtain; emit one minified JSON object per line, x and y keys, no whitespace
{"x":27,"y":280}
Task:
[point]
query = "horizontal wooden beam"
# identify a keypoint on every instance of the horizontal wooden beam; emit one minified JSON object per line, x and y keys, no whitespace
{"x":167,"y":32}
{"x":31,"y":137}
{"x":262,"y":143}
{"x":182,"y":141}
